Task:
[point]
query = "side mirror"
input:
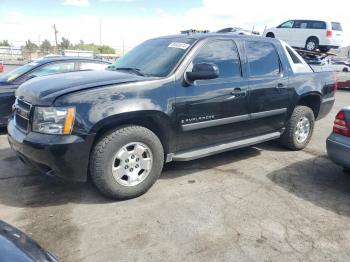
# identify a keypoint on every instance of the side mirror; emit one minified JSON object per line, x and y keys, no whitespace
{"x":203,"y":71}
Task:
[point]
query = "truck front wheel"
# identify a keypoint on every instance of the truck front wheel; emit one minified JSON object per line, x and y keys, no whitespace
{"x":299,"y":128}
{"x":126,"y":162}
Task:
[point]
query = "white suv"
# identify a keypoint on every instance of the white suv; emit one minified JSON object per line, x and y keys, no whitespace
{"x":308,"y":34}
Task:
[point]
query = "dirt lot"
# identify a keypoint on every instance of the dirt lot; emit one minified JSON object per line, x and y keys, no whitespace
{"x":262,"y":203}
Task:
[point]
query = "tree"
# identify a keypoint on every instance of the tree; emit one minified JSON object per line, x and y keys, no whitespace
{"x":65,"y":43}
{"x":4,"y":43}
{"x":30,"y":46}
{"x":105,"y":49}
{"x":46,"y":46}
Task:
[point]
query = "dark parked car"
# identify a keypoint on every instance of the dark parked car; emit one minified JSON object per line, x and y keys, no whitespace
{"x":173,"y":98}
{"x":16,"y":246}
{"x":338,"y":143}
{"x":10,"y":81}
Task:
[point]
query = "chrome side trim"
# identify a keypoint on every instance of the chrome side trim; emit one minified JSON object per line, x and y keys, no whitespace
{"x":268,"y":113}
{"x":215,"y":122}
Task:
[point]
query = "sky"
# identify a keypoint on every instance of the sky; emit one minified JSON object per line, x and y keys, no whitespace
{"x":129,"y":22}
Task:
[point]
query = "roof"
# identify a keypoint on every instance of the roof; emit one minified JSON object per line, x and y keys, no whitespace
{"x":49,"y":59}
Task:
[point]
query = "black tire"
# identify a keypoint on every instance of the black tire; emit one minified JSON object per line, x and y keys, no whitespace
{"x":103,"y":154}
{"x":347,"y":171}
{"x":345,"y":70}
{"x":271,"y":35}
{"x":315,"y":43}
{"x":289,"y":138}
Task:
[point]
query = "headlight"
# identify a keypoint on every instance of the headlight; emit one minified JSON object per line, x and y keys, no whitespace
{"x":53,"y":120}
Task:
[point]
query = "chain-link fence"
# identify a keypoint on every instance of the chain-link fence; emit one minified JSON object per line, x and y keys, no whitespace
{"x":15,"y":55}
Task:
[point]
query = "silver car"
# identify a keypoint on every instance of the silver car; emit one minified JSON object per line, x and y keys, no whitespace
{"x":338,"y":143}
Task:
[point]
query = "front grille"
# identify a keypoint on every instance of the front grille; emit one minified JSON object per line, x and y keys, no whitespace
{"x":22,"y":114}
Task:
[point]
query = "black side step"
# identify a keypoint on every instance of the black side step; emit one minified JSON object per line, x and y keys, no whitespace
{"x":212,"y":150}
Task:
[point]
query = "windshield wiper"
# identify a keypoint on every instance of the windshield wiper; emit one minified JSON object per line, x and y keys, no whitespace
{"x":134,"y":70}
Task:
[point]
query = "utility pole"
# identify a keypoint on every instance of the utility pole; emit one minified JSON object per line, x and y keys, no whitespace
{"x":56,"y":32}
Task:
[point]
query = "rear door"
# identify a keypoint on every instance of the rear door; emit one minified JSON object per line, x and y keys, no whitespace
{"x":268,"y":84}
{"x":212,"y":111}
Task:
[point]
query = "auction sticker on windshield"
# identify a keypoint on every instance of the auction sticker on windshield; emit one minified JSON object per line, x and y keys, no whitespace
{"x":179,"y":45}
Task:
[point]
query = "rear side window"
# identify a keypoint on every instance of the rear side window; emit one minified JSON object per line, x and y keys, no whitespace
{"x":317,"y":25}
{"x":336,"y":26}
{"x":263,"y":59}
{"x":222,"y":53}
{"x":92,"y":66}
{"x":292,"y":55}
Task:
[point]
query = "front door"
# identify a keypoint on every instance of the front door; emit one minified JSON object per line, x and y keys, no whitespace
{"x":285,"y":31}
{"x":212,"y":111}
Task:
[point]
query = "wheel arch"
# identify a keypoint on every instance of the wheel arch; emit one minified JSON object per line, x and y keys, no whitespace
{"x":312,"y":36}
{"x":158,"y":122}
{"x":311,"y":100}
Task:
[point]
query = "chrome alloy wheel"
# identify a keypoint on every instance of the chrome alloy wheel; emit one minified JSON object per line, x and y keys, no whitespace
{"x":303,"y":129}
{"x":311,"y":45}
{"x":132,"y":164}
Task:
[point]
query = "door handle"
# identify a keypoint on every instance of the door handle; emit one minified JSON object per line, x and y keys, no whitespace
{"x":236,"y":91}
{"x":280,"y":85}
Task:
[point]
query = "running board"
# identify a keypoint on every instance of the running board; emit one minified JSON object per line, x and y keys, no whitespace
{"x":219,"y":148}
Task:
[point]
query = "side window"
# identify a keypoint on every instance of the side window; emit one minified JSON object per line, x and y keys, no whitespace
{"x":222,"y":53}
{"x":263,"y":59}
{"x":317,"y":25}
{"x":92,"y":66}
{"x":301,"y":24}
{"x":292,"y":55}
{"x":53,"y":68}
{"x":288,"y":24}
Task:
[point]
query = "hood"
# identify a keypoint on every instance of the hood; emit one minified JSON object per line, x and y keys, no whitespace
{"x":44,"y":90}
{"x":16,"y":246}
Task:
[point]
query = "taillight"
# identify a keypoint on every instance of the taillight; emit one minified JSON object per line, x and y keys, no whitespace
{"x":329,"y":33}
{"x":341,"y":127}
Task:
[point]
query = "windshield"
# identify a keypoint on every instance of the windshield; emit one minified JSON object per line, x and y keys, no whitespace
{"x":14,"y":74}
{"x":156,"y":57}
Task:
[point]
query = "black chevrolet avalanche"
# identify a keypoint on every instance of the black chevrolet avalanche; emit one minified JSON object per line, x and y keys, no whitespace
{"x":174,"y":98}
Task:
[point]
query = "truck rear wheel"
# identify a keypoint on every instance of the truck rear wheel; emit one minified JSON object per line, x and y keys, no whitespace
{"x":299,"y":129}
{"x":126,"y":162}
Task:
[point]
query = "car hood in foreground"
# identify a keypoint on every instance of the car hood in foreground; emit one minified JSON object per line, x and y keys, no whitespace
{"x":45,"y":90}
{"x":16,"y":246}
